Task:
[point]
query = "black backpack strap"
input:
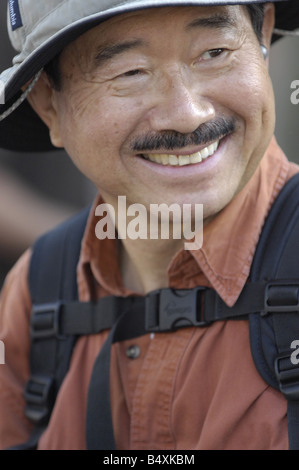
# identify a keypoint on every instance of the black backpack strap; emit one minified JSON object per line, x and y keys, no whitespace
{"x":52,"y":277}
{"x":273,"y":330}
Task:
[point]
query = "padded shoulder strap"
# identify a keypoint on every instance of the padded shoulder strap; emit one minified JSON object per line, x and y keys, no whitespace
{"x":52,"y":278}
{"x":276,"y":259}
{"x":273,"y":330}
{"x":59,"y":250}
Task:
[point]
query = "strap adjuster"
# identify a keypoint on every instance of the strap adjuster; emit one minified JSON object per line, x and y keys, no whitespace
{"x":45,"y":320}
{"x":169,"y":309}
{"x":287,"y":375}
{"x":39,"y":394}
{"x":281,"y":296}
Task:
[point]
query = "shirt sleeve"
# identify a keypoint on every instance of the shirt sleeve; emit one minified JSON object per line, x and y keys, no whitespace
{"x":15,"y":308}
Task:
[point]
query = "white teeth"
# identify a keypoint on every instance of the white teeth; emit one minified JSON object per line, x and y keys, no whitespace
{"x":196,"y":158}
{"x":173,"y":160}
{"x":183,"y":160}
{"x":204,"y":153}
{"x":165,"y":159}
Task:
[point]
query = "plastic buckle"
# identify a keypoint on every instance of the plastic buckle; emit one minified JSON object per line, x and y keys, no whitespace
{"x":39,"y":398}
{"x":45,"y":321}
{"x":287,"y":375}
{"x":281,"y":296}
{"x":170,"y":309}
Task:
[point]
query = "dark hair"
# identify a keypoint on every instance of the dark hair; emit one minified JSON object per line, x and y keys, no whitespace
{"x":53,"y":72}
{"x":256,"y":12}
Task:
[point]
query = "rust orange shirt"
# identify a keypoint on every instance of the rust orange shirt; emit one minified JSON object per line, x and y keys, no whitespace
{"x":196,"y":388}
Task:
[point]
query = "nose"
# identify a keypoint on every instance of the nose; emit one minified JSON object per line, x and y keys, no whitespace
{"x":179,"y":106}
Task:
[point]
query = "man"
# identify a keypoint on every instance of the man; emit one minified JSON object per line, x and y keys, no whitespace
{"x":161,"y":105}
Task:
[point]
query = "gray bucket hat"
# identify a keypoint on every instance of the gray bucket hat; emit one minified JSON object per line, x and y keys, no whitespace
{"x":40,"y":30}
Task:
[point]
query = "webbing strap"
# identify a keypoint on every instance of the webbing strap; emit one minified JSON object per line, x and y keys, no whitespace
{"x":160,"y":311}
{"x":99,"y":426}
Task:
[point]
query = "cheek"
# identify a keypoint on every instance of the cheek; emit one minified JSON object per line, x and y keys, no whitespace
{"x":258,"y":114}
{"x":259,"y":94}
{"x":99,"y":118}
{"x":251,"y":99}
{"x":251,"y":96}
{"x":94,"y":131}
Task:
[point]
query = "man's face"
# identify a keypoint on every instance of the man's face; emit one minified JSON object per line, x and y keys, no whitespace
{"x":168,"y":105}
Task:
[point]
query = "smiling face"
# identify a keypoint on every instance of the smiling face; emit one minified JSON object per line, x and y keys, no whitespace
{"x":168,"y":105}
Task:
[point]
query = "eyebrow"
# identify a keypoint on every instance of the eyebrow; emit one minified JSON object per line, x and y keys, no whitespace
{"x":217,"y":21}
{"x":110,"y":52}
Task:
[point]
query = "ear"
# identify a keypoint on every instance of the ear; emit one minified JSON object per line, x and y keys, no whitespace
{"x":268,"y":24}
{"x":42,"y":99}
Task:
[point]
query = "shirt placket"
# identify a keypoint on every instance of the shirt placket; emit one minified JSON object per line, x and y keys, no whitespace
{"x":151,"y":407}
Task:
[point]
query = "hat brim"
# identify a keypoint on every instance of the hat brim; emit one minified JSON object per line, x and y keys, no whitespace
{"x":23,"y":130}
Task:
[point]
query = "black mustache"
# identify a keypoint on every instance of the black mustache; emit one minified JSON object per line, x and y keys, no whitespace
{"x":169,"y":140}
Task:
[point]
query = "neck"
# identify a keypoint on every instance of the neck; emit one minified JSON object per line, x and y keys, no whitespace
{"x":145,"y":258}
{"x":144,"y":263}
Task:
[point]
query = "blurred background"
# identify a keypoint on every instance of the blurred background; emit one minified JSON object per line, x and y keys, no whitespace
{"x":38,"y":191}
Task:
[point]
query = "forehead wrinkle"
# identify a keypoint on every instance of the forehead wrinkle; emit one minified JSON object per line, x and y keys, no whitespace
{"x":109,"y":52}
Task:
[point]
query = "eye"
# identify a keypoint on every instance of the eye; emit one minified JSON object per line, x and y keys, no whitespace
{"x":212,"y":54}
{"x":132,"y":73}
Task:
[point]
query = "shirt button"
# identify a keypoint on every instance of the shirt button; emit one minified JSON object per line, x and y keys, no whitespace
{"x":133,"y":352}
